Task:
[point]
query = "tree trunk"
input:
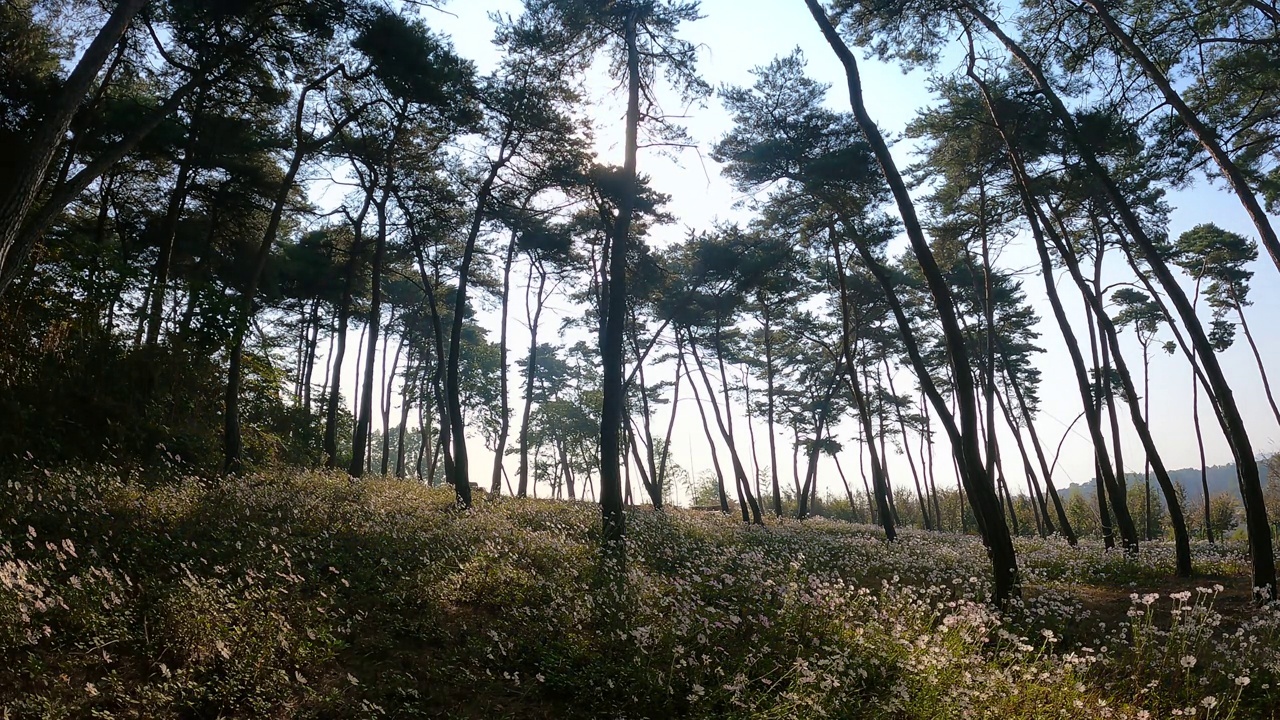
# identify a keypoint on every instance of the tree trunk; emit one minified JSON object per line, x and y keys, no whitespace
{"x":1259,"y":529}
{"x":24,"y":188}
{"x":878,"y":479}
{"x":706,"y":429}
{"x":401,"y":434}
{"x":1108,"y":478}
{"x":348,"y":281}
{"x":661,"y":478}
{"x":979,"y":486}
{"x":437,"y":373}
{"x":164,"y":260}
{"x":386,"y":400}
{"x":906,"y":449}
{"x":1262,"y":370}
{"x":309,"y":361}
{"x":847,"y":490}
{"x":29,"y":225}
{"x":877,"y":470}
{"x":1207,"y":138}
{"x":739,"y":469}
{"x":872,"y":515}
{"x":649,"y":466}
{"x":232,"y":448}
{"x":739,"y":473}
{"x":1146,"y":413}
{"x":459,"y":477}
{"x":1043,"y":522}
{"x":232,"y":461}
{"x":751,"y":435}
{"x":364,"y":418}
{"x":1107,"y":482}
{"x":568,"y":471}
{"x":770,"y":392}
{"x":1204,"y":472}
{"x":1111,"y":338}
{"x":611,"y":354}
{"x":504,"y":413}
{"x":1059,"y":510}
{"x":531,"y":372}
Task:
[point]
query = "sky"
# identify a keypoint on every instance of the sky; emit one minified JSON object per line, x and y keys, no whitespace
{"x":738,"y":35}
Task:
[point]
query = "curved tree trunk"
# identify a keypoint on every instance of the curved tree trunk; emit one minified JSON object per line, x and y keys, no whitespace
{"x":1261,"y":551}
{"x":706,"y":429}
{"x":661,"y":478}
{"x":22,"y":190}
{"x":1043,"y":521}
{"x":1059,"y":510}
{"x":1204,"y":473}
{"x":906,"y":449}
{"x":649,"y":463}
{"x":1262,"y":370}
{"x":164,"y":260}
{"x":1083,"y":385}
{"x":1207,"y":138}
{"x":232,"y":448}
{"x":1111,"y":338}
{"x":739,"y":473}
{"x":978,"y":484}
{"x":878,"y":484}
{"x":401,"y":433}
{"x":388,"y":384}
{"x":344,"y":318}
{"x":1107,"y":473}
{"x":459,"y":476}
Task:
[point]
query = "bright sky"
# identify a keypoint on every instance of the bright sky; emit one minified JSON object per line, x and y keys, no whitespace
{"x":737,"y":35}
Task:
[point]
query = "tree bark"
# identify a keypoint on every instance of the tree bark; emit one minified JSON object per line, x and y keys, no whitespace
{"x":1043,"y":522}
{"x":232,"y":460}
{"x":1111,"y":337}
{"x":770,"y":411}
{"x":531,"y":372}
{"x":364,"y":418}
{"x":21,"y":194}
{"x":504,"y":416}
{"x":459,"y":476}
{"x":388,"y":384}
{"x":344,"y":319}
{"x":979,"y":485}
{"x":906,"y":449}
{"x":164,"y":260}
{"x":405,"y":402}
{"x":1259,"y":530}
{"x":739,"y":473}
{"x":1262,"y":370}
{"x":706,"y":429}
{"x":611,"y":352}
{"x":1207,"y":138}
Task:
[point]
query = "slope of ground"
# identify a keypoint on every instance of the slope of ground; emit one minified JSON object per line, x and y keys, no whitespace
{"x":303,"y":595}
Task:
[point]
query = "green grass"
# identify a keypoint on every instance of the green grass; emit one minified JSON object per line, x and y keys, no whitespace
{"x":306,"y":595}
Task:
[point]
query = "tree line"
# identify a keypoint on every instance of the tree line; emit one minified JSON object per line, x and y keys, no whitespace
{"x":204,"y":201}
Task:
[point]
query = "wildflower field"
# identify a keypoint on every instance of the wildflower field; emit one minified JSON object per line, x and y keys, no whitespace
{"x":306,"y":595}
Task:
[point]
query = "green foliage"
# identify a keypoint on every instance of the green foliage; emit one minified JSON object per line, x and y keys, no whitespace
{"x":296,"y":595}
{"x":75,"y":394}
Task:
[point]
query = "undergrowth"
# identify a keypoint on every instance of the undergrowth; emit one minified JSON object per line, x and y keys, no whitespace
{"x":307,"y":595}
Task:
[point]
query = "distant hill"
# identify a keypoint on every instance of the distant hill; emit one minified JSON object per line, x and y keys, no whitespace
{"x":1222,"y":479}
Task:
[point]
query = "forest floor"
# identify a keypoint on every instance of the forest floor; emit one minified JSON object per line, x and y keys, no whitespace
{"x":305,"y":595}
